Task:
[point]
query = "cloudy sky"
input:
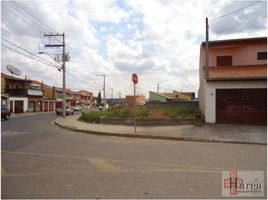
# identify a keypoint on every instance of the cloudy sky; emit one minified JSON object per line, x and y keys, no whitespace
{"x":159,"y":40}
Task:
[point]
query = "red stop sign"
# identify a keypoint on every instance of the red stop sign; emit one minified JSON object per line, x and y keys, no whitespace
{"x":134,"y":78}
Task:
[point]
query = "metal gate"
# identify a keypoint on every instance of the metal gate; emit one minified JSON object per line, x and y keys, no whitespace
{"x":18,"y":106}
{"x":241,"y":106}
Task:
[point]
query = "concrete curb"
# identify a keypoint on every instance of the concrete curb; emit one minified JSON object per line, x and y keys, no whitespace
{"x":128,"y":135}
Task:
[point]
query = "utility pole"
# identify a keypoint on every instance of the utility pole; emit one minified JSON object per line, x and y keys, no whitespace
{"x":119,"y":94}
{"x":207,"y":53}
{"x":103,"y":75}
{"x":63,"y":66}
{"x":158,"y":87}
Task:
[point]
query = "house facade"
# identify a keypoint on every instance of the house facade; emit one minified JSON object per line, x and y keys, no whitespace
{"x":24,"y":95}
{"x":233,"y":86}
{"x":174,"y":96}
{"x":130,"y":100}
{"x":85,"y":98}
{"x":15,"y":92}
{"x":59,"y":96}
{"x":48,"y":98}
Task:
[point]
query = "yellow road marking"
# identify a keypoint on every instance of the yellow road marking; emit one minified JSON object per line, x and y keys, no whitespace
{"x":44,"y":154}
{"x":167,"y":164}
{"x":121,"y":171}
{"x":104,"y":165}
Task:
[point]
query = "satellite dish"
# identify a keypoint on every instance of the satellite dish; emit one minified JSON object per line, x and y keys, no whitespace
{"x":13,"y":70}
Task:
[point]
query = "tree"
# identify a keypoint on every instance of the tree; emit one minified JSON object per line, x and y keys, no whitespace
{"x":99,"y":98}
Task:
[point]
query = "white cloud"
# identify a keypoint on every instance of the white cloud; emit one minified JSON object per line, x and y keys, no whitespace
{"x":160,"y":42}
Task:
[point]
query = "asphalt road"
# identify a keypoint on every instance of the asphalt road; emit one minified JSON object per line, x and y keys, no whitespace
{"x":40,"y":160}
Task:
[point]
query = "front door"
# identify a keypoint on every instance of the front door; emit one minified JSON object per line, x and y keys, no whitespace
{"x":11,"y":107}
{"x":18,"y":106}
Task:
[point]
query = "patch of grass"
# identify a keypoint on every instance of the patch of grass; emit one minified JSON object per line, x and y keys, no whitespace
{"x":92,"y":117}
{"x":140,"y":112}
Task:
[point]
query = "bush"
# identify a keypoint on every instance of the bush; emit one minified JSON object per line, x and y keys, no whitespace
{"x":121,"y":111}
{"x":91,"y":117}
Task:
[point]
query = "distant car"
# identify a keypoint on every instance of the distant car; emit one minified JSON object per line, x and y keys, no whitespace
{"x":5,"y":113}
{"x":77,"y":108}
{"x":69,"y":111}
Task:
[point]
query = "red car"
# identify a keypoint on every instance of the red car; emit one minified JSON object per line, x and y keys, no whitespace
{"x":5,"y":113}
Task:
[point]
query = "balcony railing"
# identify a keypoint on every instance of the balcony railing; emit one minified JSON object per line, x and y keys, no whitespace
{"x":16,"y":92}
{"x":32,"y":92}
{"x":24,"y":92}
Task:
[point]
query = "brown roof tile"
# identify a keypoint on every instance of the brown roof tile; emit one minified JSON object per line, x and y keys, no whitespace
{"x":237,"y":72}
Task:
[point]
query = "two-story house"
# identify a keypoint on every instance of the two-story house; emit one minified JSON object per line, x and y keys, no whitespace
{"x":233,"y":88}
{"x":85,"y":98}
{"x":24,"y":95}
{"x":59,"y":96}
{"x":48,"y":98}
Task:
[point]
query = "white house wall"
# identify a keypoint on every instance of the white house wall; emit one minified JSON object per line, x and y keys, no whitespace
{"x":210,"y":94}
{"x":24,"y":99}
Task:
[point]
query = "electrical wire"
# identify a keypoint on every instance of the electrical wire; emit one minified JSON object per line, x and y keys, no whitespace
{"x":27,"y":51}
{"x":234,"y":27}
{"x":45,"y":25}
{"x":238,"y":10}
{"x":26,"y":55}
{"x":9,"y":28}
{"x":76,"y":58}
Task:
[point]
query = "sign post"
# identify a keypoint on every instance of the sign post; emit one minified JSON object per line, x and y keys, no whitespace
{"x":135,"y":81}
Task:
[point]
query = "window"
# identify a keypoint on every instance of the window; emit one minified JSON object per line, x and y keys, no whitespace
{"x":7,"y":85}
{"x":262,"y":55}
{"x":17,"y":86}
{"x":224,"y":60}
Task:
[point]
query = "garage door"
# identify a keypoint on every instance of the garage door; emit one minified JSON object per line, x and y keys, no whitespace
{"x":45,"y":106}
{"x":31,"y":105}
{"x":18,"y":106}
{"x":241,"y":106}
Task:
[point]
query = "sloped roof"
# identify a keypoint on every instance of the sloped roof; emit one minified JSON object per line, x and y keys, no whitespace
{"x":237,"y":72}
{"x":12,"y":77}
{"x":238,"y":41}
{"x":174,"y":95}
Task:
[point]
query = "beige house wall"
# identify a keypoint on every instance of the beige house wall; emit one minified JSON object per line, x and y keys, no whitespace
{"x":242,"y":55}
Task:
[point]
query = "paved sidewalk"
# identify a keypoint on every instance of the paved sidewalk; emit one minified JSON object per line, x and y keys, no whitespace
{"x":206,"y":133}
{"x":26,"y":114}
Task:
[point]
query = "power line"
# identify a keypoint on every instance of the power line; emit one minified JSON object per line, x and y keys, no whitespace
{"x":9,"y":28}
{"x":23,"y":17}
{"x":45,"y":25}
{"x":77,"y":78}
{"x":25,"y":55}
{"x":233,"y":27}
{"x":238,"y":10}
{"x":28,"y":51}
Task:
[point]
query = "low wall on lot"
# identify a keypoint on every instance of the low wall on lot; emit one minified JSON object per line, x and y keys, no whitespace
{"x":148,"y":122}
{"x":172,"y":104}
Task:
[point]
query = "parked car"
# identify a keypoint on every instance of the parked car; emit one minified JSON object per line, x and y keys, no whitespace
{"x":77,"y":108}
{"x":69,"y":111}
{"x":5,"y":113}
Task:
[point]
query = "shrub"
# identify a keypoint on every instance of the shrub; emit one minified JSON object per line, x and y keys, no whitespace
{"x":91,"y":117}
{"x":121,"y":111}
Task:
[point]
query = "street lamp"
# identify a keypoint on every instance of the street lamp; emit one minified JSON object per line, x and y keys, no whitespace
{"x":56,"y":58}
